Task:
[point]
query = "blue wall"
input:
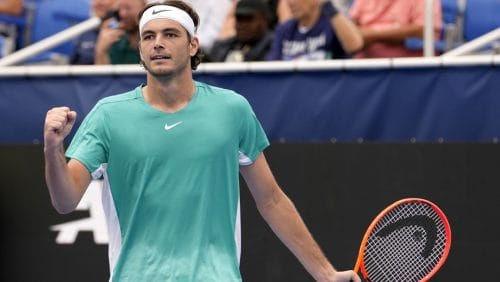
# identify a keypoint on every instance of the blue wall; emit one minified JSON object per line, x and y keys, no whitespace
{"x":389,"y":105}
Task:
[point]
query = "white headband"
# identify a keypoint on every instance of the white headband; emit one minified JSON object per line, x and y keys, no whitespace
{"x":170,"y":13}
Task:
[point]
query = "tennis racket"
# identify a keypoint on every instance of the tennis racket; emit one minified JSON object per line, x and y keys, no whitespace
{"x":408,"y":241}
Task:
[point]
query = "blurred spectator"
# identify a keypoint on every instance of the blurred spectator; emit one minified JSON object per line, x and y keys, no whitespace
{"x":253,"y":37}
{"x":316,"y":32}
{"x":118,"y":38}
{"x":212,"y":15}
{"x":84,"y":52}
{"x":227,"y":29}
{"x":8,"y":31}
{"x":279,"y":13}
{"x":11,"y":7}
{"x":385,"y":24}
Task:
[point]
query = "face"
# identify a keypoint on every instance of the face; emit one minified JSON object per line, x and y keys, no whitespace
{"x":101,"y":7}
{"x":302,"y":8}
{"x":249,"y":28}
{"x":129,"y":9}
{"x":165,"y":48}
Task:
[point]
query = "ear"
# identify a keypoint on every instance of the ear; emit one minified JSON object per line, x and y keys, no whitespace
{"x":194,"y":45}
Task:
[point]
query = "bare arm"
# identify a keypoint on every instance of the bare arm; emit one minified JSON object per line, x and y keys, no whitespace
{"x":284,"y":219}
{"x":107,"y":37}
{"x":347,"y":32}
{"x":66,"y":182}
{"x":283,"y":11}
{"x":11,"y":7}
{"x":394,"y":36}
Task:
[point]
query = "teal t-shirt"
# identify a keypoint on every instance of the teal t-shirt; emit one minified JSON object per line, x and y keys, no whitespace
{"x":171,"y":192}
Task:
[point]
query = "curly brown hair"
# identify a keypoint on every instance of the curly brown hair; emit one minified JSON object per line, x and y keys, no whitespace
{"x":198,"y":57}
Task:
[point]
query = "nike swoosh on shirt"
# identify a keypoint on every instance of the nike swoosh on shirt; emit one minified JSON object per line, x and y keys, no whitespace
{"x":168,"y":127}
{"x":159,"y":11}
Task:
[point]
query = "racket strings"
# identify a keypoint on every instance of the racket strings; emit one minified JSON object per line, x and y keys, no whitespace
{"x":400,"y":255}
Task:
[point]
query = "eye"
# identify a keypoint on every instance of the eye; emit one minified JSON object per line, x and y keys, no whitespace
{"x":147,"y":37}
{"x":170,"y":35}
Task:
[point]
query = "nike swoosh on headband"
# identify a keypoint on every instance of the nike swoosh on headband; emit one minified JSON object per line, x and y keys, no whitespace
{"x":167,"y":12}
{"x":159,"y":11}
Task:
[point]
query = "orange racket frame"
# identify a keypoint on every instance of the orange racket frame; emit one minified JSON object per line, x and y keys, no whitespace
{"x":360,"y":266}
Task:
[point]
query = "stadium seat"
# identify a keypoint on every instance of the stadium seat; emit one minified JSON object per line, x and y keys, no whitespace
{"x":481,"y":17}
{"x":13,"y":29}
{"x":2,"y":45}
{"x":52,"y":16}
{"x":43,"y":18}
{"x":448,"y":37}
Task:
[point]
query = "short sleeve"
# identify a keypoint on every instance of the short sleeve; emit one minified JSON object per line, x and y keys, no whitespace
{"x":253,"y":139}
{"x":90,"y":143}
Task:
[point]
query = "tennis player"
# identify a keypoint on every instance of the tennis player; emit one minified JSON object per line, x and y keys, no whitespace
{"x":170,"y":152}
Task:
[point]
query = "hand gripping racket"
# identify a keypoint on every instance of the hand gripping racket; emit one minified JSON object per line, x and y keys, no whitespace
{"x":408,"y":241}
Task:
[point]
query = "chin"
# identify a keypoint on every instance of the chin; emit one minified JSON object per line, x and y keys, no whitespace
{"x":161,"y":72}
{"x":157,"y":71}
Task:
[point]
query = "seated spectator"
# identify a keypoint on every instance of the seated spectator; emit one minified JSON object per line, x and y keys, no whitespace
{"x":8,"y":31}
{"x":279,"y":13}
{"x":117,"y":42}
{"x":253,"y":37}
{"x":84,"y":52}
{"x":212,"y":15}
{"x":11,"y":7}
{"x":385,"y":25}
{"x":317,"y":31}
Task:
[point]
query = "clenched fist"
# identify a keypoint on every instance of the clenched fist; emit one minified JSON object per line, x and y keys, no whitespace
{"x":58,"y":124}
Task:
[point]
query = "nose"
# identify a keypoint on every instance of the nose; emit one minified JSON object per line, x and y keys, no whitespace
{"x":158,"y":43}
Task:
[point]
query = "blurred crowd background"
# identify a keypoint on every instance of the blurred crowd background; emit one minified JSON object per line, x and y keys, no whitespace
{"x":252,"y":30}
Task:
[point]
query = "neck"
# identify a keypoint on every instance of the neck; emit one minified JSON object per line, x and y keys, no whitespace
{"x":169,"y":94}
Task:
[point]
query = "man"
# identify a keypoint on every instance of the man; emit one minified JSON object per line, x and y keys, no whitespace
{"x":170,"y":152}
{"x":84,"y":52}
{"x":253,"y":37}
{"x":386,"y":24}
{"x":117,"y":40}
{"x":317,"y":31}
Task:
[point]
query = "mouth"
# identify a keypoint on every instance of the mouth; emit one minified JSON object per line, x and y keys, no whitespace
{"x":160,"y":57}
